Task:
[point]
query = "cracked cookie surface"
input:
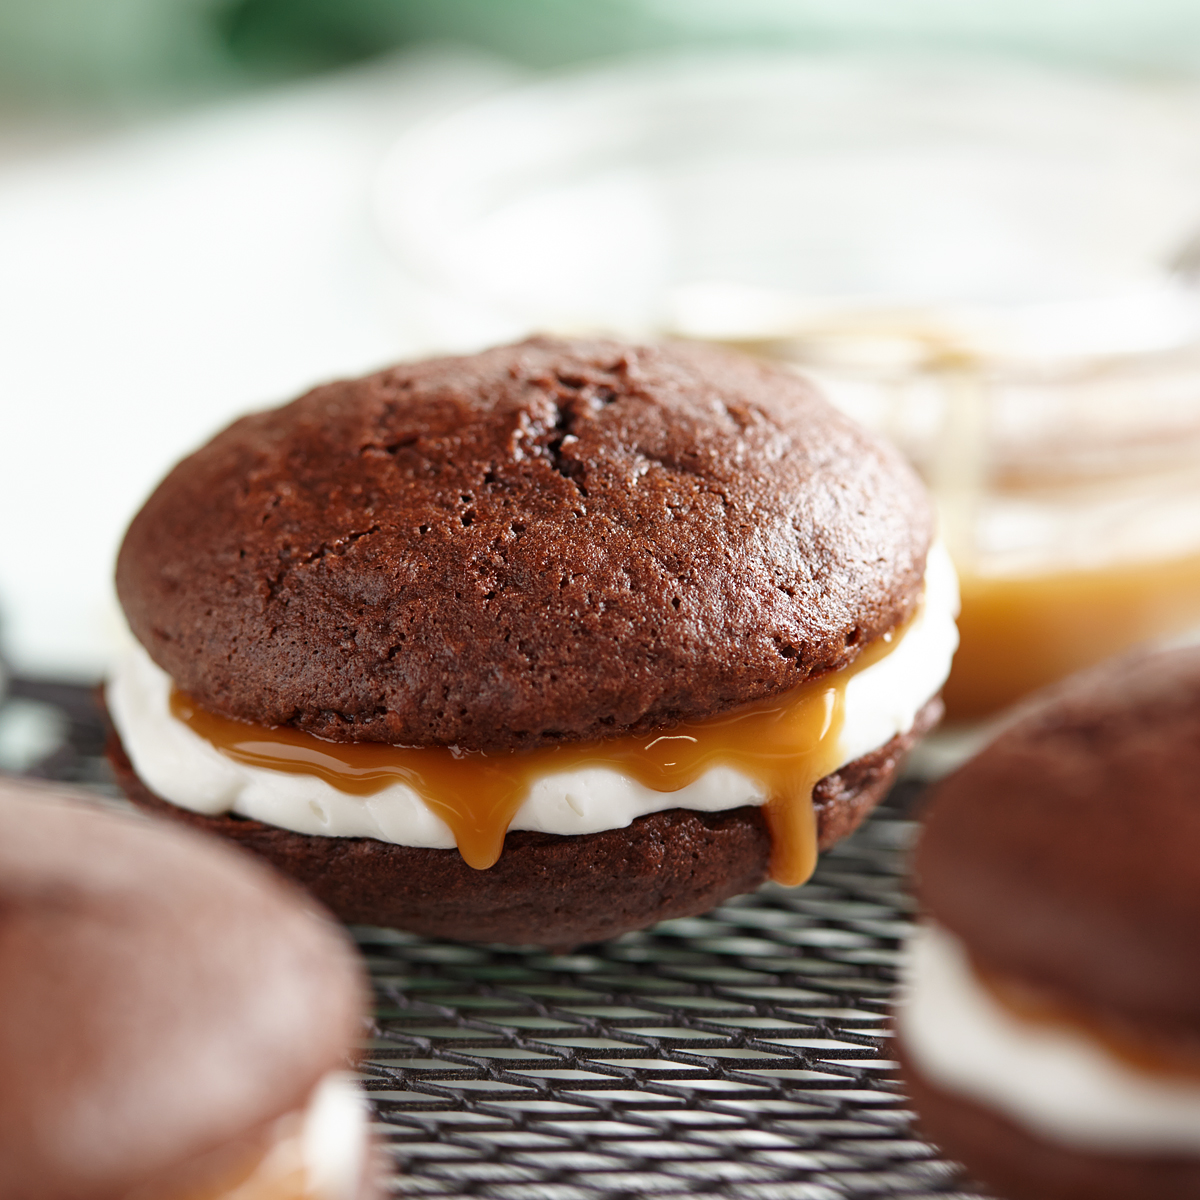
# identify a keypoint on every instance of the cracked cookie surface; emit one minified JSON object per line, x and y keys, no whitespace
{"x":548,"y":541}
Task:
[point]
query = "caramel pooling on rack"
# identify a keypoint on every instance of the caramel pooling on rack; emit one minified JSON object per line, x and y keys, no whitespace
{"x":786,"y":744}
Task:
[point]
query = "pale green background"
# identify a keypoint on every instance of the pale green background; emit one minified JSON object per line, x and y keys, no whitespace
{"x":106,"y":51}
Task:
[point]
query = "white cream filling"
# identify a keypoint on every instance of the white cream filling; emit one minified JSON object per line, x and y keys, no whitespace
{"x":881,"y":701}
{"x":326,"y":1146}
{"x":334,"y":1137}
{"x":1055,"y":1081}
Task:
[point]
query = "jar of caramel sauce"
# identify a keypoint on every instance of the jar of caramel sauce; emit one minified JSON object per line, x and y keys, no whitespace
{"x":1063,"y":450}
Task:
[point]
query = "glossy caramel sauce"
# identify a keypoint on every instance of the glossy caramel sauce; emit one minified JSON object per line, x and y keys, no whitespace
{"x":254,"y":1170}
{"x":1018,"y":633}
{"x":786,"y":744}
{"x":266,"y":1184}
{"x":1153,"y":1052}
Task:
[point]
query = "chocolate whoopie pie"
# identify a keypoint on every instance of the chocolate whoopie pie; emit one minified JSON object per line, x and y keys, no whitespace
{"x":556,"y":574}
{"x":1051,"y":1036}
{"x":174,"y":1019}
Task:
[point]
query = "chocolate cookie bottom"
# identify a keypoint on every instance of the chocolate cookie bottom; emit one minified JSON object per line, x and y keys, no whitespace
{"x":1023,"y":1166}
{"x":546,"y":889}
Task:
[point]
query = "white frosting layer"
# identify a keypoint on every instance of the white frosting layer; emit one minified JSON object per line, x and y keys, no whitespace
{"x":326,"y":1144}
{"x":1056,"y":1081}
{"x":334,"y":1137}
{"x":180,"y":766}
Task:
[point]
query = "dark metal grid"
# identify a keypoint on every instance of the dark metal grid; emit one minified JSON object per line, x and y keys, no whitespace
{"x":743,"y":1053}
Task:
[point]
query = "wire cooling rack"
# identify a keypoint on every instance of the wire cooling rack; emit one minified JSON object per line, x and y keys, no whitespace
{"x":740,"y":1054}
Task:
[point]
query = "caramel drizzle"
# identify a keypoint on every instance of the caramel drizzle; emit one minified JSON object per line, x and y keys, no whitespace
{"x":1150,"y":1051}
{"x":291,"y":1184}
{"x":266,"y":1165}
{"x":786,"y":744}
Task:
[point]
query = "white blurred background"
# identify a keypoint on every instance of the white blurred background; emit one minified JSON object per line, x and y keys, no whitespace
{"x":208,"y":207}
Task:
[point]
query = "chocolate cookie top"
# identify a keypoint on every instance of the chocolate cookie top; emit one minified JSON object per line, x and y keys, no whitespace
{"x":160,"y":996}
{"x":1067,"y":854}
{"x":545,"y":541}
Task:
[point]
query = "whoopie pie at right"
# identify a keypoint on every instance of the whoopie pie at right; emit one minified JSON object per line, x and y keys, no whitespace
{"x":1050,"y":1030}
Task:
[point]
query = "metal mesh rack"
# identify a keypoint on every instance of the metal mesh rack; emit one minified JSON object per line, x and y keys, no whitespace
{"x":743,"y":1053}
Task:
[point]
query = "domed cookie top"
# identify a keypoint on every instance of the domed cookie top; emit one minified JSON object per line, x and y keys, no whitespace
{"x":545,"y":541}
{"x":1067,"y":853}
{"x":161,"y":996}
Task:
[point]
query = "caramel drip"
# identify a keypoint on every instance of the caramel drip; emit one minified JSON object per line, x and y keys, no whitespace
{"x":1150,"y":1051}
{"x":1020,"y":632}
{"x":254,"y":1169}
{"x":264,"y":1184}
{"x":786,"y":744}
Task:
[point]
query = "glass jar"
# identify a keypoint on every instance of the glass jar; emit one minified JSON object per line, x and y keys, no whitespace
{"x":1068,"y":489}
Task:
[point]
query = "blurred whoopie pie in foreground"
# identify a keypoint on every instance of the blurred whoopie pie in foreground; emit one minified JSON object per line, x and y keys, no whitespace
{"x":537,"y":645}
{"x":174,"y":1018}
{"x":1051,"y":1030}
